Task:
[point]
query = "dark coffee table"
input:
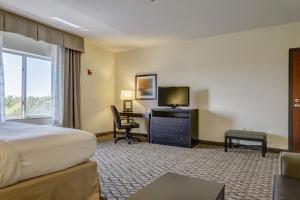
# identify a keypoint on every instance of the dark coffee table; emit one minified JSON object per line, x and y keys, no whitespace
{"x":178,"y":187}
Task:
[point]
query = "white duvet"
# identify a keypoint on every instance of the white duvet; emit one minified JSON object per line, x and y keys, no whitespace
{"x":28,"y":151}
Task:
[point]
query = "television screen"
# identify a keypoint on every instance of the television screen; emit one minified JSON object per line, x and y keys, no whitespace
{"x":173,"y":96}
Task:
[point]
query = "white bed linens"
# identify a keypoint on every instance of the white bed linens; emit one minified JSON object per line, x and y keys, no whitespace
{"x":28,"y":151}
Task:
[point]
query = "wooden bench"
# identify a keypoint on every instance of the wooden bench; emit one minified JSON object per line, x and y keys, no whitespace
{"x":248,"y":136}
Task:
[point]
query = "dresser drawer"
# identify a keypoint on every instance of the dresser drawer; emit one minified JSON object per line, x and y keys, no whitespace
{"x":170,"y":124}
{"x":167,"y":138}
{"x":183,"y":130}
{"x":176,"y":126}
{"x":170,"y":121}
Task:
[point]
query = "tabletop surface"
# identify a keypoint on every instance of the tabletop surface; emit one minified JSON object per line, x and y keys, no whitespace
{"x":135,"y":114}
{"x":178,"y":187}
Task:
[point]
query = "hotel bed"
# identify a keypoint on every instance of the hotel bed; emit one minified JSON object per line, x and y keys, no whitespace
{"x":46,"y":161}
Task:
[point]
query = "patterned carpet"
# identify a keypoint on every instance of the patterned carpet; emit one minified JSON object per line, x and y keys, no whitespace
{"x":124,"y":169}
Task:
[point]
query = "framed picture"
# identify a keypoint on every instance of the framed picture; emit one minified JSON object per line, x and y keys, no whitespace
{"x":146,"y":87}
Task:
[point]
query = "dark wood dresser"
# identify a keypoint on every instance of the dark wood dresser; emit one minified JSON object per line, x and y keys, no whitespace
{"x":178,"y":127}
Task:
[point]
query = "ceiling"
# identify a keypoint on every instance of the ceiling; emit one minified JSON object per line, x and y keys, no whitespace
{"x":119,"y":25}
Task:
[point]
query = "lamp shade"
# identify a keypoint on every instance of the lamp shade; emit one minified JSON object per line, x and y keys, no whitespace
{"x":127,"y":95}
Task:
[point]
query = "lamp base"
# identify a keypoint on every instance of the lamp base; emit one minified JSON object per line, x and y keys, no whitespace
{"x":127,"y":106}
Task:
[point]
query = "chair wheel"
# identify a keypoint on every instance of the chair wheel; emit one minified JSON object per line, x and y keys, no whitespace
{"x":129,"y":142}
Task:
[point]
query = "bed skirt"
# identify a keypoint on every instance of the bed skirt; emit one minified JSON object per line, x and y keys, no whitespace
{"x":76,"y":183}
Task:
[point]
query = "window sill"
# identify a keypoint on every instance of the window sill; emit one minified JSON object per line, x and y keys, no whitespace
{"x":35,"y":120}
{"x":24,"y":118}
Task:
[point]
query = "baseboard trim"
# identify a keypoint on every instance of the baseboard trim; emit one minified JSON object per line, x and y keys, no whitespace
{"x":104,"y":133}
{"x":207,"y":142}
{"x":211,"y":142}
{"x":275,"y":150}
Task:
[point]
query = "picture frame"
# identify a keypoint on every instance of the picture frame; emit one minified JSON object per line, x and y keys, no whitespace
{"x":146,"y":87}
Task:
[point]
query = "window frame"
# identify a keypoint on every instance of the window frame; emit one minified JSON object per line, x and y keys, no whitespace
{"x":24,"y":56}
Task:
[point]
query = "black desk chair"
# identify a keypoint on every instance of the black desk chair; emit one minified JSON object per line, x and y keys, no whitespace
{"x":125,"y":126}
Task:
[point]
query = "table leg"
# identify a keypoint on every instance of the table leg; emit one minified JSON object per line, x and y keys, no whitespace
{"x":264,"y":148}
{"x":149,"y":129}
{"x":114,"y":131}
{"x":223,"y":193}
{"x":225,"y":144}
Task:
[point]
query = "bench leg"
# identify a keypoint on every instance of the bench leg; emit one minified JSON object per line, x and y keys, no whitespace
{"x":230,"y":143}
{"x":225,"y":144}
{"x":264,"y":148}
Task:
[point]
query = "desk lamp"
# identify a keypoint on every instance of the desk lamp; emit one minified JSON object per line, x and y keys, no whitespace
{"x":127,"y":96}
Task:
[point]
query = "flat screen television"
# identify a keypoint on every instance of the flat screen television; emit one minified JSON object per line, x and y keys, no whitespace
{"x":173,"y":96}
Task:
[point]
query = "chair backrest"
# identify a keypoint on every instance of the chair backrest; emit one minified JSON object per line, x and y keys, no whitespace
{"x":116,"y":115}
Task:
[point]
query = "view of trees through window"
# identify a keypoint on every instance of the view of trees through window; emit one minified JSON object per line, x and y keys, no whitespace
{"x":37,"y":106}
{"x":27,"y":82}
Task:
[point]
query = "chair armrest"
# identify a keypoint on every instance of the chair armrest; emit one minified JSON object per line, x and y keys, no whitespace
{"x":290,"y":164}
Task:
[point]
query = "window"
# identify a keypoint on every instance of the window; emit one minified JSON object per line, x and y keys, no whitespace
{"x":27,"y":80}
{"x":13,"y":85}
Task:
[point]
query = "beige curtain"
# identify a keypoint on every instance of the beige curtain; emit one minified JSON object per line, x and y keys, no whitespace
{"x":20,"y":25}
{"x":50,"y":35}
{"x":1,"y":20}
{"x":71,"y":114}
{"x":13,"y":23}
{"x":73,"y":42}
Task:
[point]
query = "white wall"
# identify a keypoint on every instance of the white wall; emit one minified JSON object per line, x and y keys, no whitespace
{"x":97,"y":90}
{"x":237,"y":80}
